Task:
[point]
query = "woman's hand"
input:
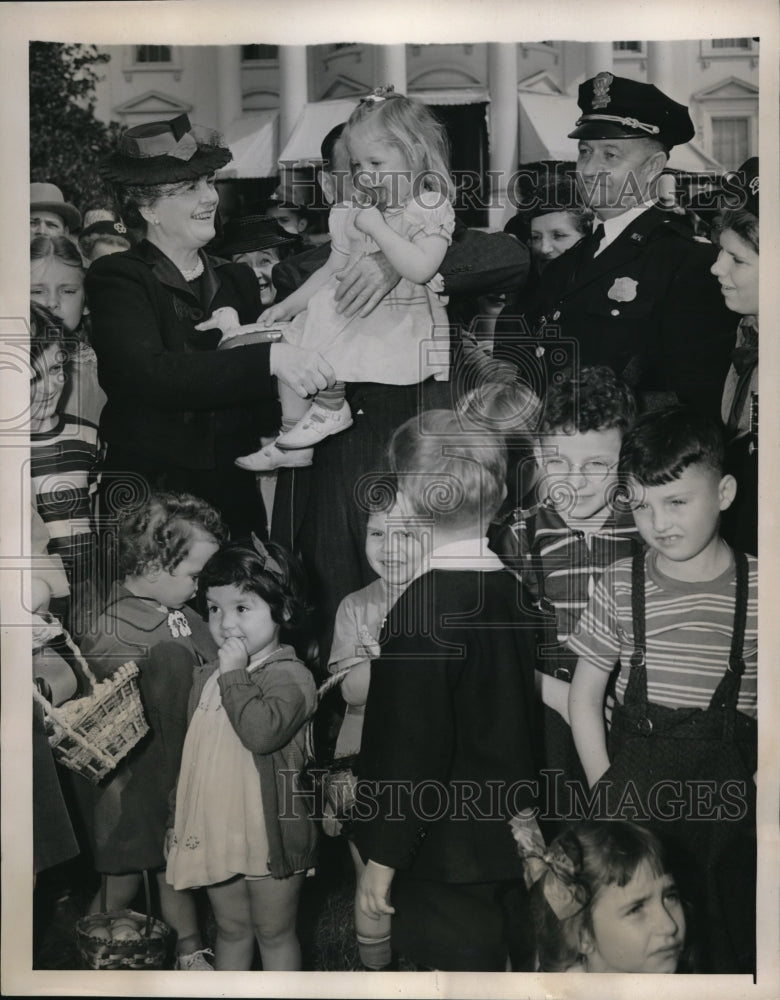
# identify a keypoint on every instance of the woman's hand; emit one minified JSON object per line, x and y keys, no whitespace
{"x":168,"y":843}
{"x":279,"y":313}
{"x":374,"y":890}
{"x":304,"y":371}
{"x":368,"y":220}
{"x":232,"y":655}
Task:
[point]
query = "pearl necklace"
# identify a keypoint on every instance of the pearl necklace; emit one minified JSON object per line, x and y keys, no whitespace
{"x":194,"y":272}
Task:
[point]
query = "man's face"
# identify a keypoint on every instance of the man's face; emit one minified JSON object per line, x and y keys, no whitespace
{"x":616,"y":174}
{"x":47,"y":224}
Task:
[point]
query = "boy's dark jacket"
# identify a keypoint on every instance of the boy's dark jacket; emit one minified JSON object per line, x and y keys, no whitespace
{"x":449,"y":727}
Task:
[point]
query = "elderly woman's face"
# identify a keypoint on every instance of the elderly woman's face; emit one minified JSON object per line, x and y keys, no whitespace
{"x":184,"y":219}
{"x":262,"y":263}
{"x":551,"y":235}
{"x":737,"y":271}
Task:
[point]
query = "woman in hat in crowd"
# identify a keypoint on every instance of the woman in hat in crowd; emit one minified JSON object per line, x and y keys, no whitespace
{"x":261,"y":242}
{"x":736,"y":233}
{"x":178,"y":413}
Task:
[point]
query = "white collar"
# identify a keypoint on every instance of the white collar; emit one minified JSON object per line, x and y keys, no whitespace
{"x":615,"y":226}
{"x":465,"y":554}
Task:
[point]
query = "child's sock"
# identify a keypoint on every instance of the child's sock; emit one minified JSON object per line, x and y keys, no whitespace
{"x":375,"y":953}
{"x":331,"y":399}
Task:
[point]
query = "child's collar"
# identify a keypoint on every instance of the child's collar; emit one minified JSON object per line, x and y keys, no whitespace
{"x":465,"y":554}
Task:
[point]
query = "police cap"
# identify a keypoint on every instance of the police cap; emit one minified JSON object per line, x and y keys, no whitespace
{"x":616,"y":108}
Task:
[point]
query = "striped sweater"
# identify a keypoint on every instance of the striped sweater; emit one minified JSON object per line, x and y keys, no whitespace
{"x":689,"y":628}
{"x":62,"y":466}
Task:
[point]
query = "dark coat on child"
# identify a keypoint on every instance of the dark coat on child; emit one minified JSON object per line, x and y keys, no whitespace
{"x":449,"y":729}
{"x":126,"y":814}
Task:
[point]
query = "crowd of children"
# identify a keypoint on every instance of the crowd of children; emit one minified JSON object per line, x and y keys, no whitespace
{"x":557,"y":643}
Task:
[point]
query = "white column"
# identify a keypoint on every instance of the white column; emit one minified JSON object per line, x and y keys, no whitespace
{"x":390,"y":67}
{"x":293,"y":88}
{"x":502,"y":83}
{"x":228,"y":85}
{"x":659,"y":66}
{"x":598,"y":58}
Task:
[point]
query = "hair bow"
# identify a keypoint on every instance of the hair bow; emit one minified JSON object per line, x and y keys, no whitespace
{"x":564,"y":892}
{"x":269,"y":563}
{"x":378,"y":94}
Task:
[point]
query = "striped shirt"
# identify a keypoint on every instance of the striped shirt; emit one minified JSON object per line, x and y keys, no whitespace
{"x":62,"y":463}
{"x":689,"y":627}
{"x":537,"y":539}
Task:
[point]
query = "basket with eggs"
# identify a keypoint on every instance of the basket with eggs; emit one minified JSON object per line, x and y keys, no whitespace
{"x":124,"y":939}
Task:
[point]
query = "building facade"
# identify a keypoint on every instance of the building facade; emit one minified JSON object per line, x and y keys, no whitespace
{"x":503,"y":103}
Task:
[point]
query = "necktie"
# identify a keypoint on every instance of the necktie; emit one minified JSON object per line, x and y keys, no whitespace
{"x":591,"y":243}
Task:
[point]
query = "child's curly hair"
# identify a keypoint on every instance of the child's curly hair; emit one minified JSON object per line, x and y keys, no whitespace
{"x":265,"y":569}
{"x":593,"y":400}
{"x":159,"y":533}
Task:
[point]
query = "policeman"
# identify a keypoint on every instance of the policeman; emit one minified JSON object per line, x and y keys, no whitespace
{"x":637,"y":294}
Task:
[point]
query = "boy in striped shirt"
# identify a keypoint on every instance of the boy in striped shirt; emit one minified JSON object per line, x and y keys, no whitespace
{"x":570,"y":532}
{"x":681,"y":621}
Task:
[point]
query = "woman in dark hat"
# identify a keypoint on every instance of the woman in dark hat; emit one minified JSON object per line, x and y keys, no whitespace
{"x":736,"y":232}
{"x":260,"y":242}
{"x":178,"y":412}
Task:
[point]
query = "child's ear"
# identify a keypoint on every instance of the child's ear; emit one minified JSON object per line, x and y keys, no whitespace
{"x":328,"y":185}
{"x":727,"y":490}
{"x":153,"y":571}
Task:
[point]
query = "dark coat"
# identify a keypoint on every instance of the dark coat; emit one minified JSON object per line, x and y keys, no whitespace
{"x":646,"y":306}
{"x":171,"y":397}
{"x":476,"y":263}
{"x":450,"y":713}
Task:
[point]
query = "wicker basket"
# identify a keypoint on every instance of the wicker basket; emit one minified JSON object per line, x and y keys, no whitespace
{"x":151,"y":950}
{"x":90,"y":735}
{"x":334,"y":778}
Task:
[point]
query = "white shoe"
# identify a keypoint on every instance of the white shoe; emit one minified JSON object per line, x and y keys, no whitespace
{"x":270,"y":457}
{"x":316,"y":425}
{"x":196,"y":962}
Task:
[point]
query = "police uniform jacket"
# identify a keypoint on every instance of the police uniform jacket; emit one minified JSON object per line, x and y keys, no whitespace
{"x":646,"y":306}
{"x":171,"y":396}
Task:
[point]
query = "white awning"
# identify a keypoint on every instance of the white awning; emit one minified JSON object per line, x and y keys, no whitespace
{"x":314,"y":123}
{"x":544,"y":124}
{"x":319,"y":117}
{"x":253,"y":141}
{"x":456,"y":95}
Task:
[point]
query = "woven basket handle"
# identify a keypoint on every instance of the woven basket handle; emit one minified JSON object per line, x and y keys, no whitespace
{"x":322,"y":690}
{"x":147,"y":893}
{"x":73,"y":648}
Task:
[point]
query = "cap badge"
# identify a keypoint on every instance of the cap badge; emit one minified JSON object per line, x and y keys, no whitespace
{"x":601,"y":84}
{"x":753,"y":185}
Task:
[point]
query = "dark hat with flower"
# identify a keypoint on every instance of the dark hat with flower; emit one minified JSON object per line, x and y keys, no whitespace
{"x":614,"y":107}
{"x":165,"y":152}
{"x":253,"y":232}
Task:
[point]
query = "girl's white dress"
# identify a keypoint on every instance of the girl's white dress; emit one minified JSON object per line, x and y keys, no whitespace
{"x":219,"y":830}
{"x":405,"y":340}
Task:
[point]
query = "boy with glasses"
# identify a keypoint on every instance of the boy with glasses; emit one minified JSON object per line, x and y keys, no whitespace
{"x":570,"y":531}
